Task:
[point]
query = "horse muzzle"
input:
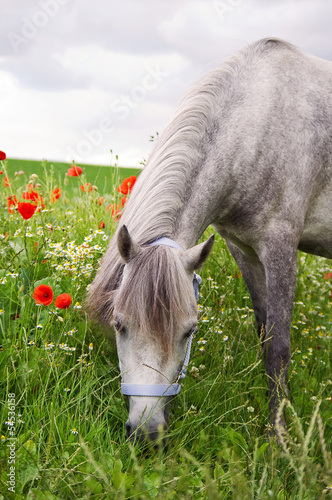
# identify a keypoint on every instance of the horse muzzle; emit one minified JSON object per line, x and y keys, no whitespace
{"x":151,"y":430}
{"x":148,"y":432}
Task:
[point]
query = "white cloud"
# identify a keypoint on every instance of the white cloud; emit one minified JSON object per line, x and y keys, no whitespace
{"x":118,"y":72}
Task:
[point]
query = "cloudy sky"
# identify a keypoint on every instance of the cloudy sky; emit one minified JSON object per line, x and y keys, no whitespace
{"x":81,"y":77}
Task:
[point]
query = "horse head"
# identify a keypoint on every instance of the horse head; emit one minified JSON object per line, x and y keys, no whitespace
{"x":155,"y":317}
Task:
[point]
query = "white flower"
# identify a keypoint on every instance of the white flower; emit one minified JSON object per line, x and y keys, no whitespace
{"x":194,"y":371}
{"x":201,"y":341}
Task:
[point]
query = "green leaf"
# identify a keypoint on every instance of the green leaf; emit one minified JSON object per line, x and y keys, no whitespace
{"x":150,"y":487}
{"x":117,"y":475}
{"x":93,"y":485}
{"x":261,"y":450}
{"x":30,"y":447}
{"x":45,"y":281}
{"x":28,"y":473}
{"x":36,"y":494}
{"x":237,"y":439}
{"x":218,"y":472}
{"x":16,"y":244}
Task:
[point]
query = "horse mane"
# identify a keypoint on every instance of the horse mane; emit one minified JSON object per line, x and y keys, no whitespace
{"x":165,"y":183}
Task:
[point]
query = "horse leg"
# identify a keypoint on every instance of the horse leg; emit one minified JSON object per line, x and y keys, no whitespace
{"x":254,"y":276}
{"x":278,"y":253}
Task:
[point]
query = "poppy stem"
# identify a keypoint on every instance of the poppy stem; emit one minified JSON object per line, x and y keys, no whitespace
{"x":7,"y":177}
{"x":25,"y":242}
{"x":12,"y":260}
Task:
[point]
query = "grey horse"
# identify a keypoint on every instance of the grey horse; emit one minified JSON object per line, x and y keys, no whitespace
{"x":249,"y":151}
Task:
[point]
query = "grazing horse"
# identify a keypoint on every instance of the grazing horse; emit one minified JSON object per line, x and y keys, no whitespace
{"x":249,"y":151}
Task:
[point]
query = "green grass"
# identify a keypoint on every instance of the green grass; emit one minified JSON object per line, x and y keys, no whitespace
{"x":69,"y":433}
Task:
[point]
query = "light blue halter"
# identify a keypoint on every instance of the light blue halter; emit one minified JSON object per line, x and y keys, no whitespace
{"x":159,"y":390}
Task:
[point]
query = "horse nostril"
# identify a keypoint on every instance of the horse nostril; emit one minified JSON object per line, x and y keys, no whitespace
{"x":158,"y":435}
{"x":129,"y":429}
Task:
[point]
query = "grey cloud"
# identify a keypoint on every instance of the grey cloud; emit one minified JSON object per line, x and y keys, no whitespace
{"x":117,"y":40}
{"x":40,"y":71}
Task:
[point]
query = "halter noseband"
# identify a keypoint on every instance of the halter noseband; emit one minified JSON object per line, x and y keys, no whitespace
{"x":159,"y":390}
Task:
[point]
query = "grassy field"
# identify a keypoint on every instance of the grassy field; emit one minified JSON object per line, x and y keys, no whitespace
{"x":62,"y":413}
{"x":104,"y":178}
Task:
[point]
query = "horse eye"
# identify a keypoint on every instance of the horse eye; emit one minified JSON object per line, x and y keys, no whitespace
{"x":191,"y":331}
{"x":119,"y":327}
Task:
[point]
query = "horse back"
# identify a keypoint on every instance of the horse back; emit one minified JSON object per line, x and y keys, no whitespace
{"x":268,"y":147}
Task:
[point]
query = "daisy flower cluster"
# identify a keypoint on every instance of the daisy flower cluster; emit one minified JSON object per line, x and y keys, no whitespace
{"x":74,"y":259}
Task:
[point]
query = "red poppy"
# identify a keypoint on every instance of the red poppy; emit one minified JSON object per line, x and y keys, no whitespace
{"x":26,"y":209}
{"x":30,"y":194}
{"x":127,"y":185}
{"x":100,"y":201}
{"x":328,"y":276}
{"x":43,"y":294}
{"x":74,"y":171}
{"x":87,"y":187}
{"x":34,"y":196}
{"x":115,"y":210}
{"x":2,"y":156}
{"x":11,"y":201}
{"x":6,"y":182}
{"x":63,"y":301}
{"x":55,"y":195}
{"x":123,"y":201}
{"x":101,"y":224}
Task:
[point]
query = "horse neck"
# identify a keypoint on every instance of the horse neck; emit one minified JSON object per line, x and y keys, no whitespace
{"x":160,"y":208}
{"x":170,"y":198}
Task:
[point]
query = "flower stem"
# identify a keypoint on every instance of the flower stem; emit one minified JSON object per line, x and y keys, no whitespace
{"x":25,"y":242}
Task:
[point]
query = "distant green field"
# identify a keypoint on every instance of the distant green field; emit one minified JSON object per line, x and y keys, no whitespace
{"x":101,"y":176}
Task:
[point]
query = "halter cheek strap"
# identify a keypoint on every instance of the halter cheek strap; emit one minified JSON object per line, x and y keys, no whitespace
{"x":173,"y":244}
{"x":159,"y":390}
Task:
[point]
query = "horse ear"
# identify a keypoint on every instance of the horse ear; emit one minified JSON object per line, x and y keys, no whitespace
{"x":128,"y":249}
{"x":196,"y":256}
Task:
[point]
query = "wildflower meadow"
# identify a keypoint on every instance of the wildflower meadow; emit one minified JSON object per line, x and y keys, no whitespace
{"x":62,"y":414}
